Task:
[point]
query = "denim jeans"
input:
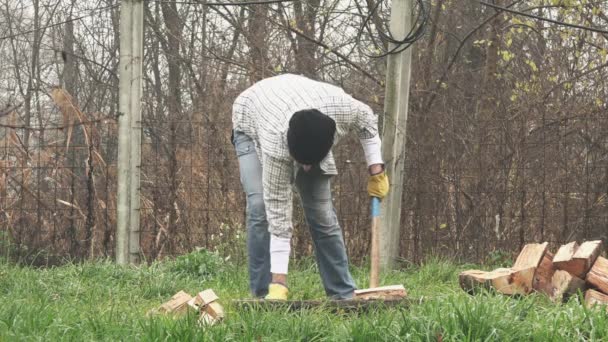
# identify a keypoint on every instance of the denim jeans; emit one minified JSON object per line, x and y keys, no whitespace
{"x":315,"y":193}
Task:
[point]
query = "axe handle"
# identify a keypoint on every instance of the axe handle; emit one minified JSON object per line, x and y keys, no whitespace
{"x":375,"y":244}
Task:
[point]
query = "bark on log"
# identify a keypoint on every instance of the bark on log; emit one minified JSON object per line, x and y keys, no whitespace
{"x":543,"y":275}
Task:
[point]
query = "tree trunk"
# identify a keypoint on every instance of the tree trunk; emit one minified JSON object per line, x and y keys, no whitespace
{"x":306,"y":62}
{"x":175,"y":116}
{"x":74,"y":141}
{"x":258,"y":45}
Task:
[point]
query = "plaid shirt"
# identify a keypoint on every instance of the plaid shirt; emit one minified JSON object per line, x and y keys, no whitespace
{"x":263,"y":111}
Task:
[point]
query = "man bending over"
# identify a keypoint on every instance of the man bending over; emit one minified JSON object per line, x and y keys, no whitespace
{"x":283,"y":130}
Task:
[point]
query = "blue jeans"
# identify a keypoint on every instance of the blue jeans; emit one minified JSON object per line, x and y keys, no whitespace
{"x":315,"y":192}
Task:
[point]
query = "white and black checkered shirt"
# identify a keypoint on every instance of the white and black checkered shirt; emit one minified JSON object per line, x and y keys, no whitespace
{"x":263,"y":111}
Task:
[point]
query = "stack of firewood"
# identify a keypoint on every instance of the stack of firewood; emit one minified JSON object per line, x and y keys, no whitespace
{"x":573,"y":268}
{"x":205,"y":304}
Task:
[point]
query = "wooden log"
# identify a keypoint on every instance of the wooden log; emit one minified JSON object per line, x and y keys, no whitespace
{"x":215,"y":310}
{"x":207,"y":296}
{"x":578,"y":260}
{"x":565,"y":253}
{"x":543,"y":275}
{"x":383,"y":292}
{"x":348,"y":305}
{"x":203,"y":298}
{"x":194,"y":304}
{"x":503,"y":280}
{"x":589,"y":251}
{"x":565,"y":285}
{"x":206,"y":319}
{"x":598,"y":275}
{"x":530,"y":256}
{"x":178,"y":303}
{"x":593,"y":297}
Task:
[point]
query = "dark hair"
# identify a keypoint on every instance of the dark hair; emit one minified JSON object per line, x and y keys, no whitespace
{"x":310,"y":136}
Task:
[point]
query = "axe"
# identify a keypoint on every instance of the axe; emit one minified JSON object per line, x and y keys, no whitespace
{"x":375,"y":247}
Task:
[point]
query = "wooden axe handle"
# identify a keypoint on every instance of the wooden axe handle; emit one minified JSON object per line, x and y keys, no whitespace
{"x":375,"y":247}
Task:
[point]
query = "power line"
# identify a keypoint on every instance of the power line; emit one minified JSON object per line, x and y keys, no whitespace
{"x":93,"y":12}
{"x":416,"y":32}
{"x":586,"y":28}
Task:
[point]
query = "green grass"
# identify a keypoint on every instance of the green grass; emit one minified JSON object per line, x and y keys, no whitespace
{"x":102,"y":301}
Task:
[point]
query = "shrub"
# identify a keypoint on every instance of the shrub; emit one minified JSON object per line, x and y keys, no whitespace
{"x":200,"y":263}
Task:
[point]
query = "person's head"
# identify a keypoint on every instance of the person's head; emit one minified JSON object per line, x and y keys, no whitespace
{"x":310,"y":136}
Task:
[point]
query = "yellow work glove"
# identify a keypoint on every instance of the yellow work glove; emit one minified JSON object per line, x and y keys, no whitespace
{"x":277,"y":291}
{"x":377,"y":185}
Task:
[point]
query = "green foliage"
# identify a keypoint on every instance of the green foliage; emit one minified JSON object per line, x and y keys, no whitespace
{"x":6,"y":247}
{"x":104,"y":302}
{"x":499,"y":258}
{"x":200,"y":263}
{"x":231,"y":243}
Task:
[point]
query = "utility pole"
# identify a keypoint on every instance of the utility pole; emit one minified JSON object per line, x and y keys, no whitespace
{"x":393,"y":132}
{"x":129,"y":130}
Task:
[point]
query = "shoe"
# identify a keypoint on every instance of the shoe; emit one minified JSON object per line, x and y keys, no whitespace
{"x":277,"y":291}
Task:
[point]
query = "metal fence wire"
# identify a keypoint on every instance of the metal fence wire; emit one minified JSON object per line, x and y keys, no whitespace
{"x":498,"y":153}
{"x":59,"y":200}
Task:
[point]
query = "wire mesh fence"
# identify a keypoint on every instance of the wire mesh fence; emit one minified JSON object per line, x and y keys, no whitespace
{"x":506,"y":135}
{"x":58,"y":198}
{"x":61,"y":201}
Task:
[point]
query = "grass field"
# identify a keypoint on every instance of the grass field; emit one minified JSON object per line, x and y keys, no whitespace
{"x":101,"y":301}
